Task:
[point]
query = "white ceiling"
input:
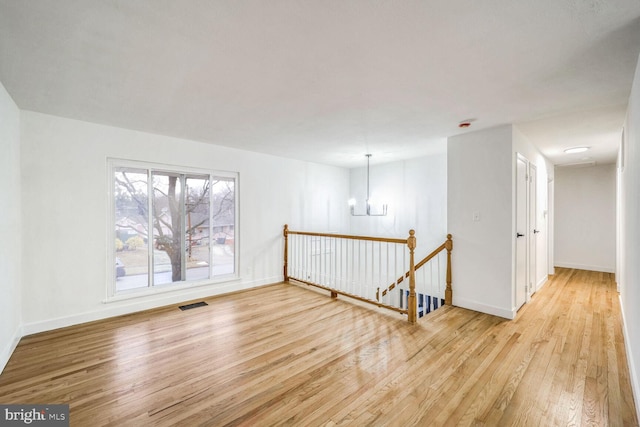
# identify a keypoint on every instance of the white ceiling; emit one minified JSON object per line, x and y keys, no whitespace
{"x":328,"y":81}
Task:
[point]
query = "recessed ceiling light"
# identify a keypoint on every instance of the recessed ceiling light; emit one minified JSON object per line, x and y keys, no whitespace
{"x":575,"y":150}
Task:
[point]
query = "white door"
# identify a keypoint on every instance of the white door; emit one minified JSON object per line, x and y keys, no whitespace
{"x":521,"y":231}
{"x":533,"y":229}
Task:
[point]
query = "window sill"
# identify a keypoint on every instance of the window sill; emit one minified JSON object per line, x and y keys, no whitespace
{"x":163,"y":289}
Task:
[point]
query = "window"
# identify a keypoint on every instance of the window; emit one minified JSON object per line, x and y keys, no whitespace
{"x":172,"y":226}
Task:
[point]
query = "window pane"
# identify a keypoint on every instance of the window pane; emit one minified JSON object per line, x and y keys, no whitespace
{"x":167,"y":227}
{"x":197,"y":227}
{"x":223,"y":225}
{"x":131,"y":228}
{"x":171,"y":226}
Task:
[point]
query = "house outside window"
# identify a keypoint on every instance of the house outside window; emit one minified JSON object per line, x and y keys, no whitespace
{"x":171,"y":226}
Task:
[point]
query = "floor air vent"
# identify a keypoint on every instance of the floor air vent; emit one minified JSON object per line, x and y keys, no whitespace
{"x":194,"y":305}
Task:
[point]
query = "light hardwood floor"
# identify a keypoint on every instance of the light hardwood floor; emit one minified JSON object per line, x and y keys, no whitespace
{"x":287,"y":355}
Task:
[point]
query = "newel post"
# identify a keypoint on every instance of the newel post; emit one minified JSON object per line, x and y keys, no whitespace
{"x":411,"y":302}
{"x":286,"y":252}
{"x":448,"y":293}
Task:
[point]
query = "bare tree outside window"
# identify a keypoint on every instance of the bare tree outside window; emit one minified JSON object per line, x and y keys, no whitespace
{"x":190,"y":220}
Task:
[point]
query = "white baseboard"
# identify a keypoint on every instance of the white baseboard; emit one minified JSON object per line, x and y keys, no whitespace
{"x":119,"y":308}
{"x":635,"y":386}
{"x":541,"y":283}
{"x":10,"y":348}
{"x":586,"y":267}
{"x":484,"y":308}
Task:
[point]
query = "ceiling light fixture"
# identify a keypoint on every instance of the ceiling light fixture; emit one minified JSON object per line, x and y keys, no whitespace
{"x":575,"y":150}
{"x":352,"y":202}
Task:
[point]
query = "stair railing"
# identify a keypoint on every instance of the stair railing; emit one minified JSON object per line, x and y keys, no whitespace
{"x":355,"y":266}
{"x":432,"y":272}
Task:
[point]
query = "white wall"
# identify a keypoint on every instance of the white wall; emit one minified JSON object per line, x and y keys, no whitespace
{"x":480,"y":180}
{"x":65,"y":215}
{"x":416,"y":192}
{"x":585,"y":218}
{"x":10,"y":224}
{"x":629,"y":279}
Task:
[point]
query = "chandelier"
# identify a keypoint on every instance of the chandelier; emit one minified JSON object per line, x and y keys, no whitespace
{"x":368,"y":212}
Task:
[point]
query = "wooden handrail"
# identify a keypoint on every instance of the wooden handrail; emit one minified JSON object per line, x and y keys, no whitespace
{"x":348,"y":236}
{"x":448,"y":245}
{"x":418,"y":265}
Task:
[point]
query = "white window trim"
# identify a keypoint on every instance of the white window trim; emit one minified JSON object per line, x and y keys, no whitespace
{"x":111,"y":294}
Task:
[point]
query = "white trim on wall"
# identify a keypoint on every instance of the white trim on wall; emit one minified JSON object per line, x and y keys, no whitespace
{"x":585,"y":267}
{"x":142,"y":304}
{"x":541,"y":283}
{"x":484,"y":308}
{"x":633,"y":377}
{"x":10,"y":348}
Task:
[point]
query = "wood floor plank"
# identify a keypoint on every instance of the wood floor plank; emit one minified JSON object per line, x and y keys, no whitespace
{"x":288,"y":355}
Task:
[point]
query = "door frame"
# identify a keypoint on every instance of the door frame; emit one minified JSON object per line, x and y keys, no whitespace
{"x":525,"y":231}
{"x":550,"y":226}
{"x":533,"y":227}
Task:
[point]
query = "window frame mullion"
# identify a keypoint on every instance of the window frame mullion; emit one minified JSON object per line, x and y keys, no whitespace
{"x":183,"y":232}
{"x":211,"y":251}
{"x":151,"y":232}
